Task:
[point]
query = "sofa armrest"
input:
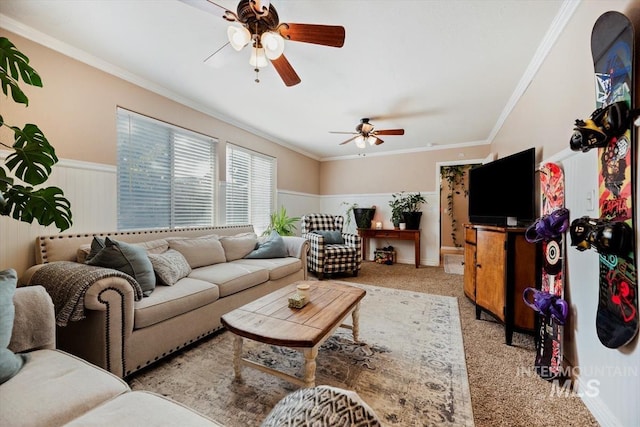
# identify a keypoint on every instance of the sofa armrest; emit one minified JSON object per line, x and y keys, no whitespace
{"x":296,"y":246}
{"x":101,"y":335}
{"x":34,"y":326}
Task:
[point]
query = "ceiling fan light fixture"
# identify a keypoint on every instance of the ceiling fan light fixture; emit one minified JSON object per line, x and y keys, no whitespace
{"x":258,"y":58}
{"x":371,"y":139}
{"x":239,"y":37}
{"x":366,"y":127}
{"x":273,"y":44}
{"x":360,"y":142}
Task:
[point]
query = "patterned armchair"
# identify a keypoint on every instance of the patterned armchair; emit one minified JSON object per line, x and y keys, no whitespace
{"x":331,"y":250}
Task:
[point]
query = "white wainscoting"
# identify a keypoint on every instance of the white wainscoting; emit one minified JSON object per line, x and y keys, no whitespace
{"x":91,"y":189}
{"x":429,"y":225}
{"x":608,"y":379}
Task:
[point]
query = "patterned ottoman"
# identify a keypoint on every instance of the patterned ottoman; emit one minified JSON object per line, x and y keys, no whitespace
{"x":322,"y":406}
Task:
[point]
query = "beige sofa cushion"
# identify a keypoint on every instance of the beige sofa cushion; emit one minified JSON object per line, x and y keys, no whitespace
{"x":201,"y":251}
{"x":53,"y":388}
{"x":142,"y":408}
{"x":277,"y":267}
{"x":238,"y":246}
{"x":231,"y":277}
{"x":170,"y":301}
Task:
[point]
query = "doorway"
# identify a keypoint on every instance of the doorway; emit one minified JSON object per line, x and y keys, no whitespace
{"x":453,"y":182}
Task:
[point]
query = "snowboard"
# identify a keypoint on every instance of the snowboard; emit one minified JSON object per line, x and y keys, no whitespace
{"x":612,"y":48}
{"x":548,"y":363}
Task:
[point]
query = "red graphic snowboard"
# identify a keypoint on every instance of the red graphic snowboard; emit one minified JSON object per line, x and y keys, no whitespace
{"x":612,"y":47}
{"x":548,"y":361}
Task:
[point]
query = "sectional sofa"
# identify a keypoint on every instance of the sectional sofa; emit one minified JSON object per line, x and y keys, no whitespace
{"x":197,"y":274}
{"x":53,"y":388}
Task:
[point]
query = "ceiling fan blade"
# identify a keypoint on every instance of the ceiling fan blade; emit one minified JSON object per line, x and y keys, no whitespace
{"x":345,"y":133}
{"x":326,"y":35}
{"x":348,"y":140}
{"x":390,"y":132}
{"x":286,"y":71}
{"x":379,"y":141}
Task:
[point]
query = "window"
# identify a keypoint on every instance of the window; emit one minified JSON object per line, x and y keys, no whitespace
{"x":250,"y":187}
{"x":166,"y":175}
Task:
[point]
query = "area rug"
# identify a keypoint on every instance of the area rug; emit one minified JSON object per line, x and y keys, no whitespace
{"x":409,"y":366}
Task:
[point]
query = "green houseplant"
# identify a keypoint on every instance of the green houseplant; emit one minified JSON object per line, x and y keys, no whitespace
{"x":31,"y":156}
{"x":408,"y":206}
{"x":282,"y":223}
{"x":454,"y":177}
{"x":396,"y":206}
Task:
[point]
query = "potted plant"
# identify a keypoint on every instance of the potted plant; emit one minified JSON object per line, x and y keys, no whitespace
{"x":409,"y":206}
{"x":282,"y":223}
{"x":32,"y":156}
{"x":363,"y":216}
{"x":396,"y":206}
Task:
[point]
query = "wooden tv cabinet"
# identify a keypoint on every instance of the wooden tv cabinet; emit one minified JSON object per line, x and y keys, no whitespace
{"x":498,"y":265}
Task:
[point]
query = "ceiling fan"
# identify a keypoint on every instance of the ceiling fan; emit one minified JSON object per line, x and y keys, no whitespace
{"x":261,"y":28}
{"x":366,"y":132}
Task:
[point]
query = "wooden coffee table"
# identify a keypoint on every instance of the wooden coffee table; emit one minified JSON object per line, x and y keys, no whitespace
{"x":270,"y":320}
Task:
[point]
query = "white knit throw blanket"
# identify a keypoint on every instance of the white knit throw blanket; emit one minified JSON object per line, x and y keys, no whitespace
{"x":67,"y":282}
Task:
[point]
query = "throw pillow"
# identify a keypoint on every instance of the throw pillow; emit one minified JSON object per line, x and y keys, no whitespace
{"x":200,"y":251}
{"x":331,"y":237}
{"x":10,"y":363}
{"x":169,"y":266}
{"x":238,"y":246}
{"x":129,"y":259}
{"x":97,"y":244}
{"x":272,"y":247}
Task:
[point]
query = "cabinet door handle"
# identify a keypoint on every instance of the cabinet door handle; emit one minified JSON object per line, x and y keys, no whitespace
{"x":478,"y":265}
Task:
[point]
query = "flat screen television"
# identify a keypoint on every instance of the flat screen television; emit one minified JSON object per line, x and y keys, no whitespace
{"x":503,"y":192}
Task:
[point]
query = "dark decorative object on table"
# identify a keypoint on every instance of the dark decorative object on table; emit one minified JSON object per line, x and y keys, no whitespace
{"x":363,"y":216}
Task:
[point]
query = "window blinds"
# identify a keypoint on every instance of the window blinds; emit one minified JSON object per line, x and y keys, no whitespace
{"x":166,"y":175}
{"x":251,"y":186}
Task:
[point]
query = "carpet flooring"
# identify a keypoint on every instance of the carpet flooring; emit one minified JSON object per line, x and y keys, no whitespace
{"x":503,"y":390}
{"x":409,"y":366}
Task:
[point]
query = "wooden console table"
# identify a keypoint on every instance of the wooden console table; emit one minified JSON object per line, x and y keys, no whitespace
{"x":372,"y":233}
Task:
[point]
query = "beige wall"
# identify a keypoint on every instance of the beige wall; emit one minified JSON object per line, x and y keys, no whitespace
{"x":76,"y":110}
{"x":563,"y":89}
{"x":389,"y":174}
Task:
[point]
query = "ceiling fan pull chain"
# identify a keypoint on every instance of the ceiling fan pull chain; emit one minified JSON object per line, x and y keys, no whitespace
{"x":257,"y":70}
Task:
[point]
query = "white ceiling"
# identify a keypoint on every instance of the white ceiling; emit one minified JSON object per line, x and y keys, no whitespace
{"x":447,"y":71}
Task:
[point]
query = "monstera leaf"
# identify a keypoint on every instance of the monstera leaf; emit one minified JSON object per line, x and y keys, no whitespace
{"x":13,"y":66}
{"x":45,"y":205}
{"x":32,"y":156}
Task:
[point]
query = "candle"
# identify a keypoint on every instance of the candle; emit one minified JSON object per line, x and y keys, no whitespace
{"x":303,"y":291}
